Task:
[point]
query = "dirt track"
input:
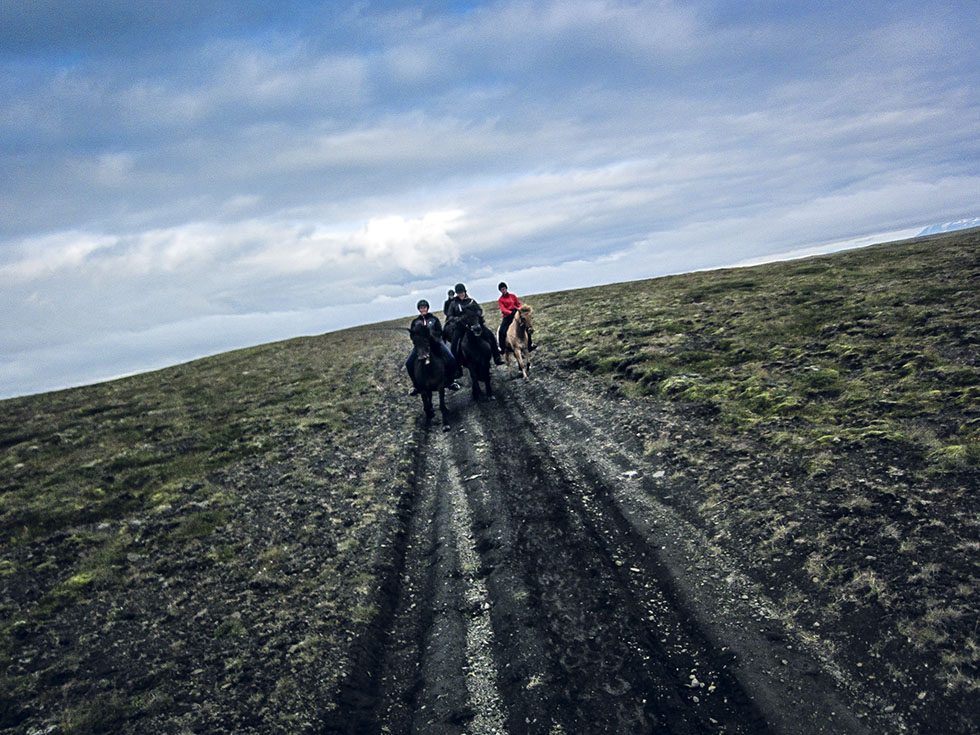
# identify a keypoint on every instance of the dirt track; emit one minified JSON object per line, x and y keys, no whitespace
{"x":544,"y":588}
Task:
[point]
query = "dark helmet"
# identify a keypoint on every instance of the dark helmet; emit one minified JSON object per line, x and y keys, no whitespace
{"x":501,"y":285}
{"x":460,"y":288}
{"x":451,"y":293}
{"x":421,"y":303}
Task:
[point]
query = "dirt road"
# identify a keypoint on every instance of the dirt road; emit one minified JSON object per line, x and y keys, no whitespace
{"x":545,"y":586}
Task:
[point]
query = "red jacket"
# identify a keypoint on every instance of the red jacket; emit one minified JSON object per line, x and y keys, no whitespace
{"x":508,"y":303}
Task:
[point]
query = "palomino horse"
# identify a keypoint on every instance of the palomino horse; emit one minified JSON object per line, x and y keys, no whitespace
{"x":518,"y":334}
{"x":430,"y":374}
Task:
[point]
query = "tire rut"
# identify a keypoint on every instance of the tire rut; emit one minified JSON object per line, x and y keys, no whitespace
{"x":529,"y":600}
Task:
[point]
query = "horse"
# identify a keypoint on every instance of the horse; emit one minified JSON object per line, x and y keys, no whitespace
{"x":430,"y":375}
{"x":518,"y":334}
{"x":474,"y":354}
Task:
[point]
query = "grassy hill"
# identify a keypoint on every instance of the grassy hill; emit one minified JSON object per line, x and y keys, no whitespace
{"x":216,"y":524}
{"x":837,"y":400}
{"x":212,"y":542}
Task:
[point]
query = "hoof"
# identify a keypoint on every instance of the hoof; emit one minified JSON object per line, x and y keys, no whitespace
{"x":445,"y":427}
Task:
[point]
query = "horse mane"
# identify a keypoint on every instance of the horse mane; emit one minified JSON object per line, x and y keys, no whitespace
{"x":526,"y":309}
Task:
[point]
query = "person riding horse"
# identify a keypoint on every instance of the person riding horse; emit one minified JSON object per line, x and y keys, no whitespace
{"x":463,"y":309}
{"x":448,"y":303}
{"x":509,"y":304}
{"x":425,"y":320}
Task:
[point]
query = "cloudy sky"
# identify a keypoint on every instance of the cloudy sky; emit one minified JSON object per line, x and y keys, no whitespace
{"x":179,"y":178}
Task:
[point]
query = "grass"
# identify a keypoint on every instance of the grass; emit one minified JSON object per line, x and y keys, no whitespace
{"x":138,"y":511}
{"x":835,"y":408}
{"x":852,"y":348}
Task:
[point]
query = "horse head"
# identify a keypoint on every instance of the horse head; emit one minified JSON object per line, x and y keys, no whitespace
{"x":423,"y":343}
{"x":525,"y":317}
{"x":472,"y":322}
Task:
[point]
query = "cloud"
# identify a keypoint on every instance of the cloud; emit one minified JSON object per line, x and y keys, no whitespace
{"x":229,"y":159}
{"x":417,"y":246}
{"x":39,"y":257}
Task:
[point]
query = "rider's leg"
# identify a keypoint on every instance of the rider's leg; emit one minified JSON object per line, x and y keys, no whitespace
{"x":459,"y":363}
{"x":410,"y":367}
{"x":494,"y":347}
{"x":451,"y":366}
{"x":502,"y":332}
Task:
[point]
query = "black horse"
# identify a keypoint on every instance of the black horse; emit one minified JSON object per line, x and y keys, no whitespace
{"x":430,"y":374}
{"x":474,"y":353}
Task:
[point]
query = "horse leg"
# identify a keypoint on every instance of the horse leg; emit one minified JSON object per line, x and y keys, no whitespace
{"x":443,"y":409}
{"x":475,"y":382}
{"x":427,"y":406}
{"x":520,"y":357}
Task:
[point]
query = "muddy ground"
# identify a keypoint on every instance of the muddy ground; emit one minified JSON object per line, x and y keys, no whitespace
{"x":548,"y":586}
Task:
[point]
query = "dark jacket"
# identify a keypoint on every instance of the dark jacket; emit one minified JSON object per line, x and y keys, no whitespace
{"x":432,"y":323}
{"x":462,"y":307}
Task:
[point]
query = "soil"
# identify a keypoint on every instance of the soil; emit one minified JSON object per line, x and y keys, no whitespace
{"x":548,"y":585}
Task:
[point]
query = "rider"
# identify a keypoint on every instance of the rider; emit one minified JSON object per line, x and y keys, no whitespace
{"x":430,"y":322}
{"x":509,"y":304}
{"x":448,"y":302}
{"x":464,"y":305}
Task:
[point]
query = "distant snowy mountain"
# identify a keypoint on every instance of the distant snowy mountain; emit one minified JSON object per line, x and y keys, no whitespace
{"x":960,"y":224}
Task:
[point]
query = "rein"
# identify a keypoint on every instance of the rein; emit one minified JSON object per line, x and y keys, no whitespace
{"x":522,"y":328}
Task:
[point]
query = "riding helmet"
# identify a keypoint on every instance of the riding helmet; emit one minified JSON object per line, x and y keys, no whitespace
{"x":421,"y":303}
{"x":501,"y":285}
{"x":460,"y":288}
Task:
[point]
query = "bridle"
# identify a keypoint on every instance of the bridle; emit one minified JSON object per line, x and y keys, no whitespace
{"x":473,"y":325}
{"x":522,"y":323}
{"x":423,"y":346}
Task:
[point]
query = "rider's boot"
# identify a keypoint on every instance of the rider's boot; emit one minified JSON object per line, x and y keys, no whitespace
{"x":495,"y":349}
{"x":491,"y":340}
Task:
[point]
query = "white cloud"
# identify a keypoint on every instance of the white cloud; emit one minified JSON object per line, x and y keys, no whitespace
{"x":41,"y":256}
{"x":283,"y":162}
{"x":417,"y":245}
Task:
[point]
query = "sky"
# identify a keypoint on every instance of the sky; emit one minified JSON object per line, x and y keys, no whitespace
{"x":181,"y":178}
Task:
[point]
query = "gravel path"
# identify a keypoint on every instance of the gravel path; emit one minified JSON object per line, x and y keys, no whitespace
{"x":544,"y":589}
